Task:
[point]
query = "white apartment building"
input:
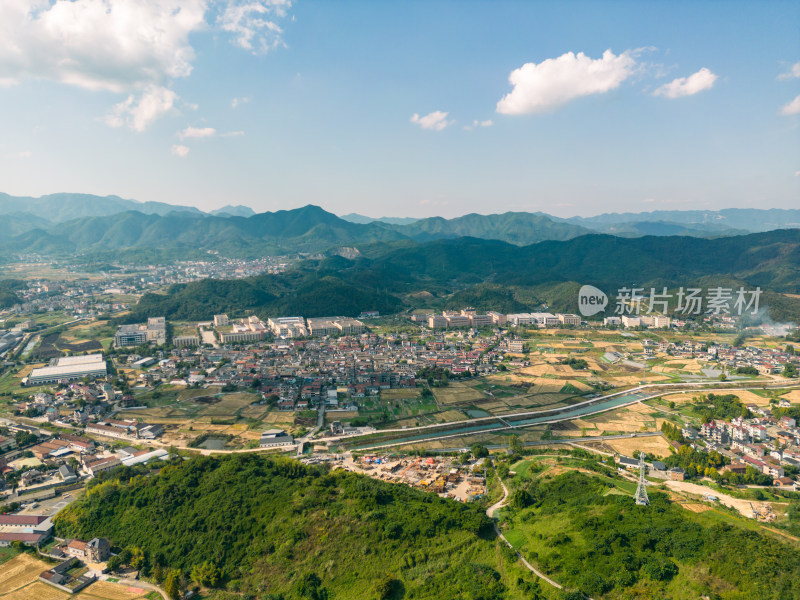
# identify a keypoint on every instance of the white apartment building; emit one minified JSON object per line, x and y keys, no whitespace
{"x":631,"y":321}
{"x":569,"y":319}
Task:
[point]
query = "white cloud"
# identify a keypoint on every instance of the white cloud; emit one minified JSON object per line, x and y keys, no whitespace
{"x":179,"y":150}
{"x":197,"y":132}
{"x":239,"y":101}
{"x":437,"y":120}
{"x":113,"y":45}
{"x":254,"y":23}
{"x":233,"y":133}
{"x":23,"y":154}
{"x":139,"y":114}
{"x":476,"y":123}
{"x":687,"y":86}
{"x":128,"y":47}
{"x":793,"y":108}
{"x":792,"y":73}
{"x":556,"y":81}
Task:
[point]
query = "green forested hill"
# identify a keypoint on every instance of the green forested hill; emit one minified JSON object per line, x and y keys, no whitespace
{"x":273,"y":525}
{"x":306,"y":229}
{"x":277,"y":529}
{"x":489,"y":274}
{"x":130,"y":228}
{"x":517,"y":228}
{"x":8,"y":289}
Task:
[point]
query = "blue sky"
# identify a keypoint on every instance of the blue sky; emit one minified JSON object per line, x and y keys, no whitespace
{"x":570,"y":108}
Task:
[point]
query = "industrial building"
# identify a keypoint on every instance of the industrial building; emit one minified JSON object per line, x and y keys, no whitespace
{"x":275,"y":437}
{"x":68,"y":368}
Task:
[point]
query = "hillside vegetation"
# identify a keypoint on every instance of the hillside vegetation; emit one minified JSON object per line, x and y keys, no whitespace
{"x":277,"y":526}
{"x":608,"y":547}
{"x":8,"y":292}
{"x":277,"y":529}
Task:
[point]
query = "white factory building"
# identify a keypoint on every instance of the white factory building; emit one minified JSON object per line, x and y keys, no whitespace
{"x":68,"y":368}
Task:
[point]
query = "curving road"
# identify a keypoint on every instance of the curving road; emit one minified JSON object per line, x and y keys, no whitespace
{"x":490,"y":513}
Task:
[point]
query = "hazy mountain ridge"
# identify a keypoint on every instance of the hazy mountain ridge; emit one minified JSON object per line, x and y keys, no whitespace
{"x":80,"y":223}
{"x":231,"y":210}
{"x":746,"y":219}
{"x":363,"y":220}
{"x":307,"y":229}
{"x":513,"y":227}
{"x":67,"y":206}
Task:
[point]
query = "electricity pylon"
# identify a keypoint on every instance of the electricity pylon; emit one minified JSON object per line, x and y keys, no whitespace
{"x":641,"y":490}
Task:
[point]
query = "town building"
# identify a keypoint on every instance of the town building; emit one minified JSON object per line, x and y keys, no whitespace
{"x":95,"y":550}
{"x":155,"y":330}
{"x":275,"y":437}
{"x":288,"y":327}
{"x":185,"y":341}
{"x":323,"y":326}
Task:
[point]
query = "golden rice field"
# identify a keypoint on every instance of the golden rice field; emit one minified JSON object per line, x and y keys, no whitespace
{"x":656,"y":445}
{"x":793,"y":396}
{"x":19,"y":571}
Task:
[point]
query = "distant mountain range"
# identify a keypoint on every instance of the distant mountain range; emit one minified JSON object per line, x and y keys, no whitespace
{"x":696,"y":223}
{"x":183,"y":234}
{"x":57,"y":208}
{"x":72,"y":224}
{"x":357,"y":218}
{"x":736,"y":219}
{"x":233,"y":211}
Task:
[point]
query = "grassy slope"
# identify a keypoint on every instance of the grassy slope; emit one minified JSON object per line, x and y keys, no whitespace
{"x":602,"y":543}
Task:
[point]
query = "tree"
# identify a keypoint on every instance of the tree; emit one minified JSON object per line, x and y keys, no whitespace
{"x":310,"y":587}
{"x":479,"y":451}
{"x":385,"y":590}
{"x":137,"y":560}
{"x":521,"y":499}
{"x":206,"y":574}
{"x":114,"y":563}
{"x":172,"y":584}
{"x":24,"y":438}
{"x":515,"y":444}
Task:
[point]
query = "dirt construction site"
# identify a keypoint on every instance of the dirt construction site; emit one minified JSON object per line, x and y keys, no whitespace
{"x":463,"y":483}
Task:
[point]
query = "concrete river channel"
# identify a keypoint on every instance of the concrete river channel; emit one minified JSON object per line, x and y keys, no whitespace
{"x":500,"y":422}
